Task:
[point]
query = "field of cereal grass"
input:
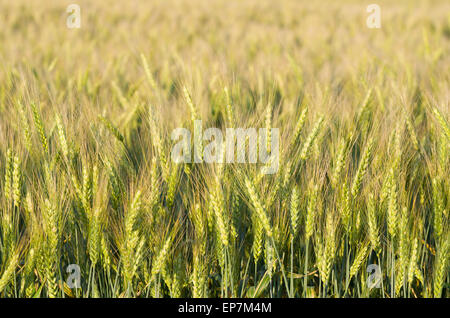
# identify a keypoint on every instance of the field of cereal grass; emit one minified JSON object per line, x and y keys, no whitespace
{"x":87,"y":177}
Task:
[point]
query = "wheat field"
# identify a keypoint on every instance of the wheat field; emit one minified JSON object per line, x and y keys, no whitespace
{"x":359,"y":206}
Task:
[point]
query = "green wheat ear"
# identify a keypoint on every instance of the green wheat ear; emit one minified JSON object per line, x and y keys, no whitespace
{"x":8,"y":273}
{"x":258,"y":237}
{"x":365,"y":182}
{"x":25,"y":126}
{"x":359,"y":259}
{"x":258,"y":207}
{"x":148,"y":73}
{"x":51,"y":223}
{"x":438,"y":208}
{"x":217,"y":202}
{"x":133,"y":244}
{"x":311,"y":213}
{"x":340,"y":161}
{"x":39,"y":127}
{"x":123,"y":101}
{"x":309,"y":143}
{"x":17,"y":182}
{"x":229,"y":109}
{"x":441,"y":268}
{"x":444,"y":125}
{"x":112,"y":129}
{"x":294,"y":209}
{"x":392,"y":218}
{"x":374,"y":234}
{"x":62,"y":138}
{"x":161,"y":257}
{"x":300,"y":124}
{"x":362,"y":169}
{"x":192,"y":108}
{"x":8,"y":174}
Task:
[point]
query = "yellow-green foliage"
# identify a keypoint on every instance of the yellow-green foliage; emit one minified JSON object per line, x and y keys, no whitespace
{"x":86,"y":175}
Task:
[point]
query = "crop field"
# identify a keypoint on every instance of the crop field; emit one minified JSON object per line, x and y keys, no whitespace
{"x":353,"y":201}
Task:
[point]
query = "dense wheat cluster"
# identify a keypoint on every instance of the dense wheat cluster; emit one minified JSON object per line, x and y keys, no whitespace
{"x":86,"y":115}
